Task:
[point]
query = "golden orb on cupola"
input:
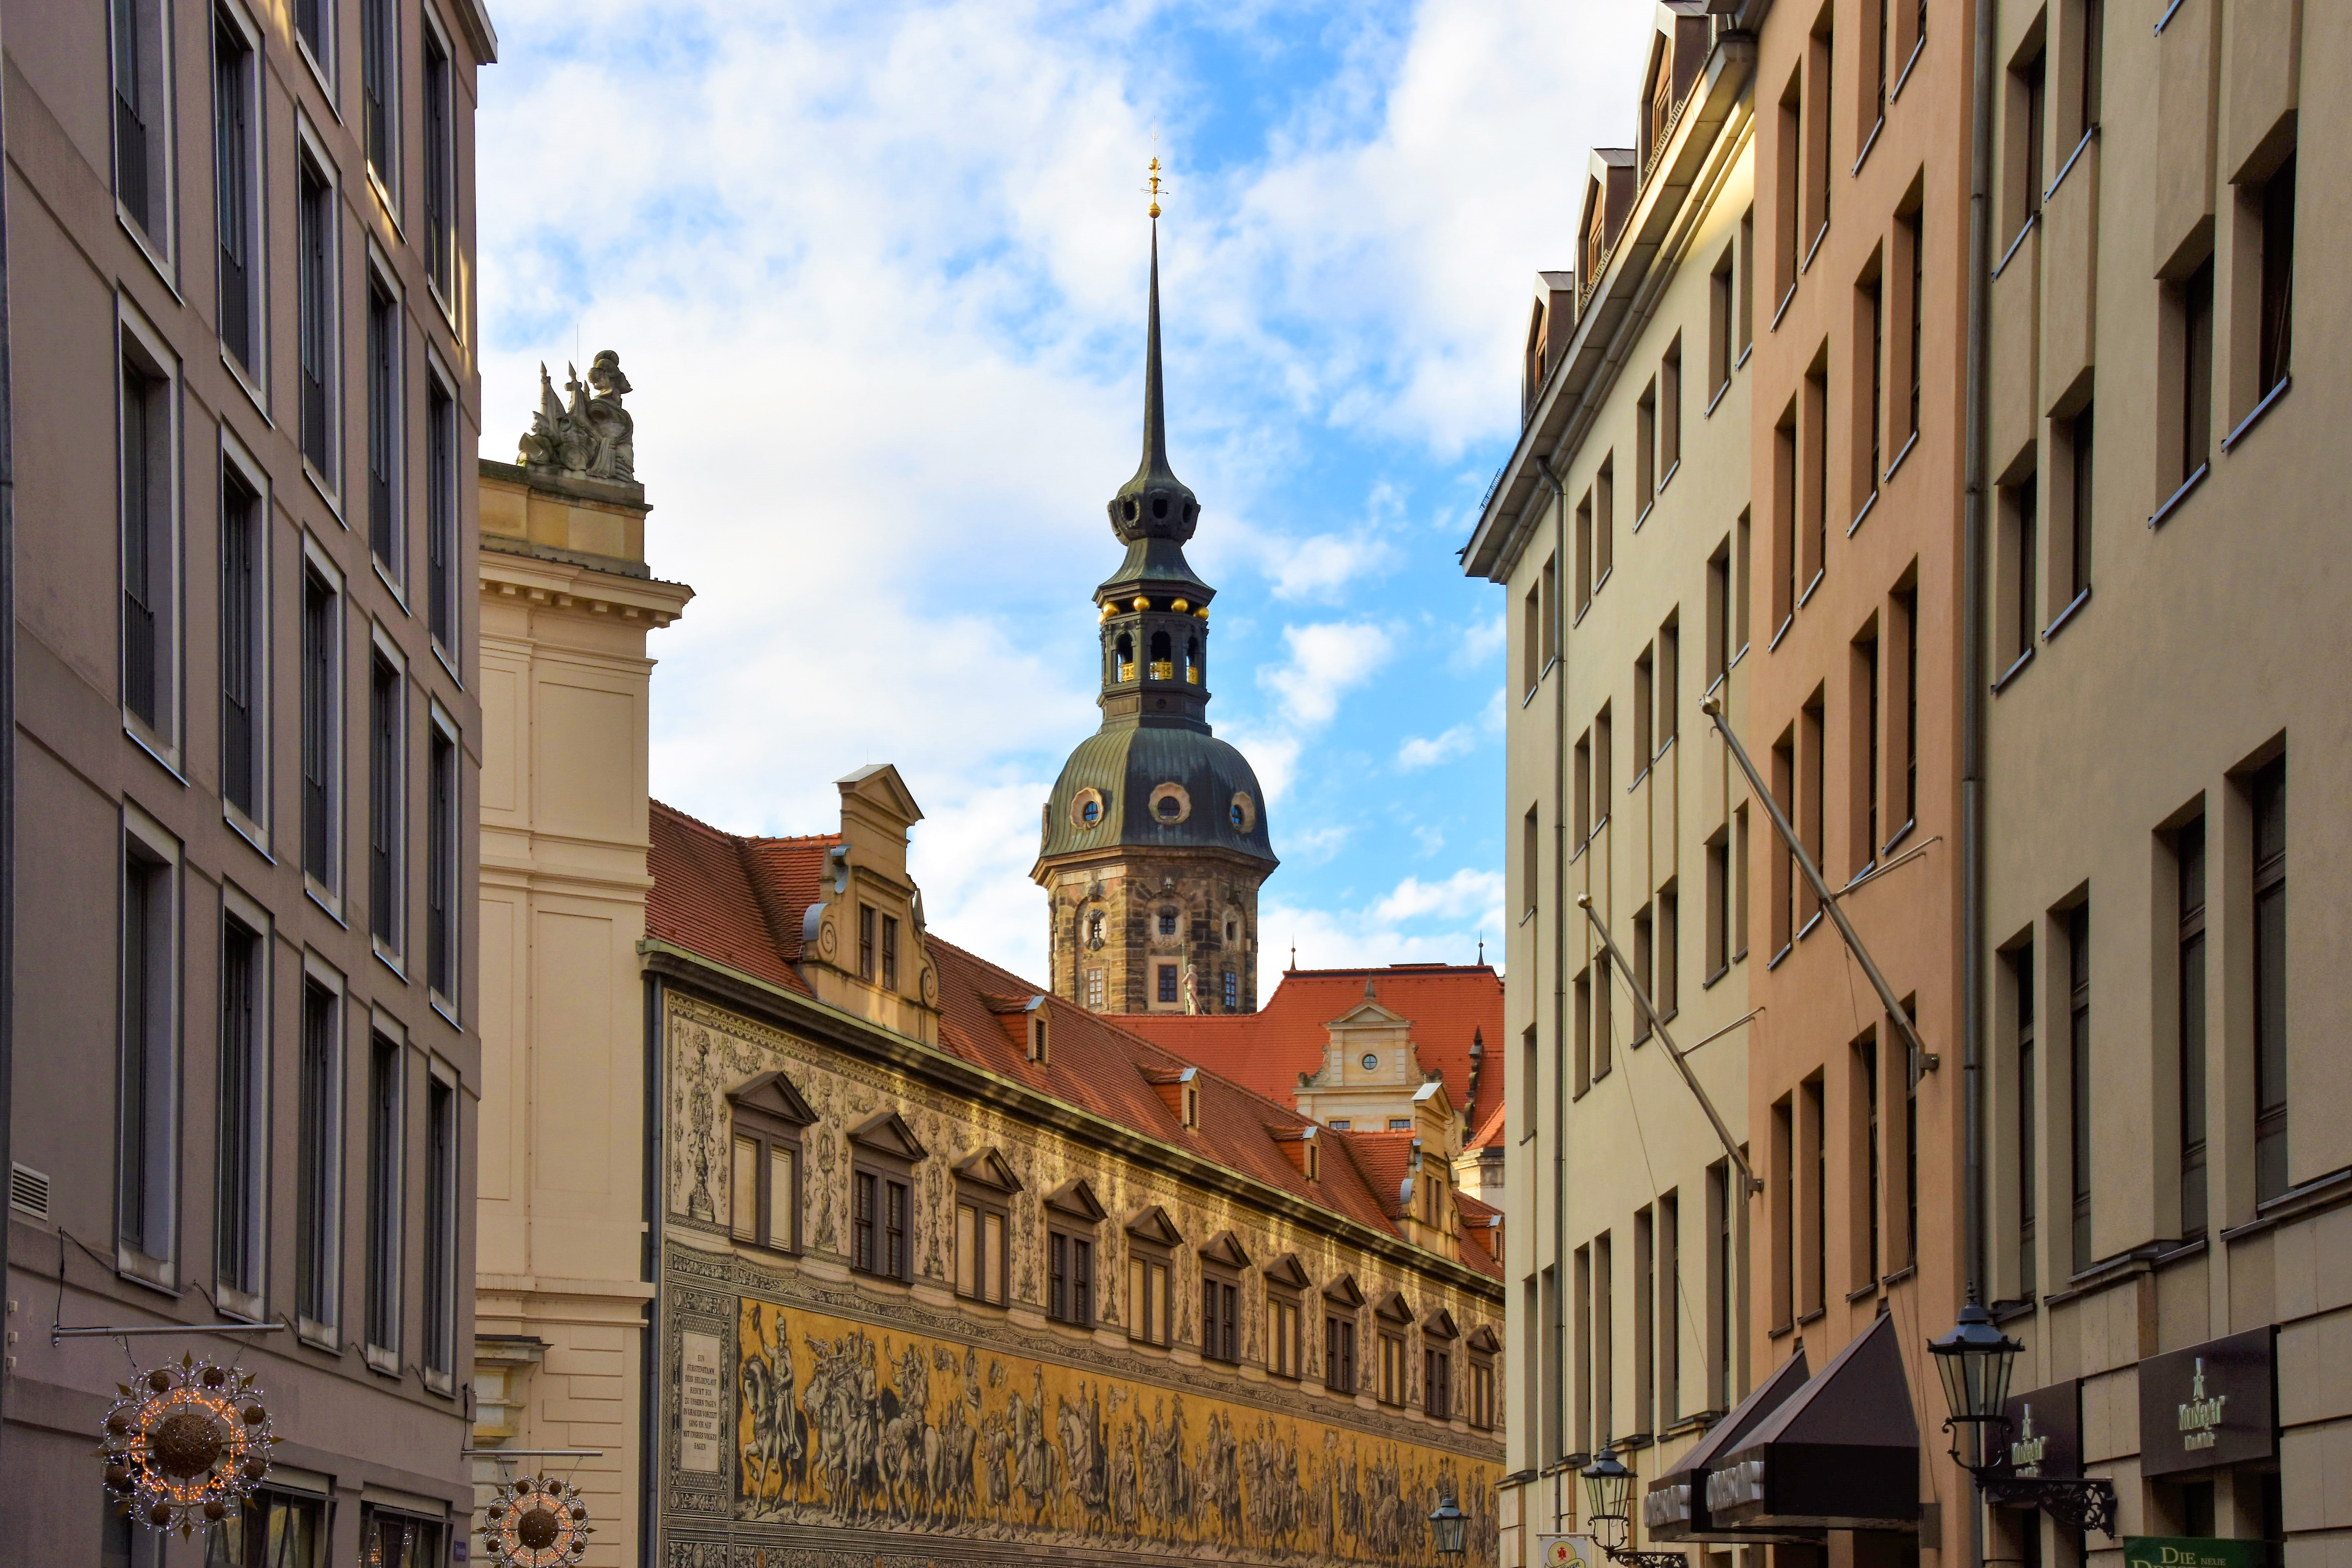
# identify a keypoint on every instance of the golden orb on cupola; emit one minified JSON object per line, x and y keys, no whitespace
{"x":1141,"y":603}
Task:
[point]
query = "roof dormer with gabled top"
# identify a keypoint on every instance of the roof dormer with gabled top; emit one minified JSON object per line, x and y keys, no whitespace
{"x":861,"y":938}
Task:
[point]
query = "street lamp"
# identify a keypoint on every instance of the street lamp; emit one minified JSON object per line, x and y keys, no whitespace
{"x":1608,"y":1495}
{"x":1449,"y":1529}
{"x":1974,"y":1362}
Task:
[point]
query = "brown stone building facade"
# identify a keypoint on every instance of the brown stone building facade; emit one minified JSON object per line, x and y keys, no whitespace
{"x":1979,"y":431}
{"x":240,"y":279}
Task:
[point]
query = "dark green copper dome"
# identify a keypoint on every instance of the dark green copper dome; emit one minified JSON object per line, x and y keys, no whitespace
{"x":1154,"y":776}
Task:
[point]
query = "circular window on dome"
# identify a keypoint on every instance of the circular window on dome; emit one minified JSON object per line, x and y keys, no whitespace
{"x":1371,"y":1062}
{"x":1088,"y":808}
{"x":1243,"y":812}
{"x":1171,"y":803}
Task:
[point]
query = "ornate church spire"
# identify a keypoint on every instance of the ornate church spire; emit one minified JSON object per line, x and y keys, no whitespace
{"x":1155,"y":503}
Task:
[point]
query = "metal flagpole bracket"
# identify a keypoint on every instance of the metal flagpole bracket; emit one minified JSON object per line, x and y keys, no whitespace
{"x":1642,"y":999}
{"x":58,"y":1332}
{"x":1925,"y":1059}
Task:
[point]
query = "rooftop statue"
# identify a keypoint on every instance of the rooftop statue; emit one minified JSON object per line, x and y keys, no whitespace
{"x":594,"y":438}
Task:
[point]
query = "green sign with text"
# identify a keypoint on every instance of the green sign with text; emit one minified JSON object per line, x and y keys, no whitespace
{"x":2193,"y":1552}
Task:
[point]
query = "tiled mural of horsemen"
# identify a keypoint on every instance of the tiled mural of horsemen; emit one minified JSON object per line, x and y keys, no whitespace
{"x":843,"y":1422}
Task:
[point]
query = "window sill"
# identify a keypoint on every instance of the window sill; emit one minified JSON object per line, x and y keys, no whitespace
{"x":1668,"y":477}
{"x":1899,"y":1276}
{"x":1812,"y":250}
{"x":1807,"y":929}
{"x":147,"y":740}
{"x":1717,"y":398}
{"x":1861,"y":1293}
{"x":1709,"y":983}
{"x":1602,"y":581}
{"x":318,"y":1336}
{"x":326,"y":490}
{"x":1867,"y":506}
{"x":161,"y":266}
{"x":1736,"y":658}
{"x":2011,"y":673}
{"x":1867,"y":143}
{"x":2156,"y":519}
{"x":1904,"y":75}
{"x":442,"y":656}
{"x":1774,"y":962}
{"x":248,"y":830}
{"x":2067,"y":168}
{"x":1787,"y":621}
{"x":1819,"y":573}
{"x":1782,"y":309}
{"x":2254,"y":417}
{"x":1741,"y":363}
{"x":2007,"y":255}
{"x":383,"y":1362}
{"x":441,"y":303}
{"x":448,"y":1011}
{"x":318,"y":74}
{"x":319,"y":893}
{"x":154,"y":1273}
{"x":382,"y":190}
{"x":1814,"y":1316}
{"x":399,"y":594}
{"x":2067,"y":614}
{"x":1636,"y":782}
{"x":1739,"y":957}
{"x":2168,"y":11}
{"x":1901,"y":834}
{"x":1642,"y":516}
{"x":238,"y":373}
{"x":387,"y":957}
{"x":1779,"y":1331}
{"x":1907,"y":444}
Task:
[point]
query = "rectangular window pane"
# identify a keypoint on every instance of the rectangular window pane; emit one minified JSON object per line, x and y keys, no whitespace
{"x":967,"y":1249}
{"x":384,"y":428}
{"x":146,"y":502}
{"x":440,"y":169}
{"x":319,"y":629}
{"x":149,"y":1075}
{"x":241,"y":622}
{"x":784,"y":1206}
{"x":440,"y":1227}
{"x":441,"y":514}
{"x":441,"y":850}
{"x":1082,"y":1282}
{"x":743,"y":1183}
{"x":314,"y":220}
{"x":991,"y":1256}
{"x":384,"y":815}
{"x":383,"y":1196}
{"x":233,"y":165}
{"x":379,"y":102}
{"x":863,"y":1203}
{"x":317,"y":1235}
{"x":894,"y":1261}
{"x":237,"y":1245}
{"x":2270,"y":1176}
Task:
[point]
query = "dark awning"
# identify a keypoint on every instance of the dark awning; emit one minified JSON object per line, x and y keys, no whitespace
{"x":1674,"y":1508}
{"x":1842,"y":1454}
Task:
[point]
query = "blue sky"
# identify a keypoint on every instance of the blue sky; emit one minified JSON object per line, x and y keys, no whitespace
{"x":877,"y":272}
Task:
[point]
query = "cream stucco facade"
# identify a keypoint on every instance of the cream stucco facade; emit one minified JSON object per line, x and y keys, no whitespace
{"x":1626,"y":566}
{"x":564,"y":1268}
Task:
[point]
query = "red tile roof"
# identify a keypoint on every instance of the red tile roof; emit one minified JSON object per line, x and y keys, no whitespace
{"x":1449,"y":1004}
{"x":1488,"y":1134}
{"x":739,"y":902}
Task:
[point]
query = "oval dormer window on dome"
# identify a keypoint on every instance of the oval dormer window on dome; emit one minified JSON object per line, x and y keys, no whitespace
{"x":1242,"y":811}
{"x":1090,"y":811}
{"x":1088,"y":808}
{"x":1169,"y":803}
{"x":1171,"y":809}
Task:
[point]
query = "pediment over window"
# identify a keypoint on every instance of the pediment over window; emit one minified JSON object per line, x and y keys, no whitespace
{"x":887,"y":1133}
{"x":1440,"y":1326}
{"x":1076,"y":1198}
{"x":1225,"y":1247}
{"x":1287,"y":1270}
{"x":1344,"y":1290}
{"x":1485,"y":1340}
{"x":772,"y":1094}
{"x":988,"y":1169}
{"x":1152,"y":1225}
{"x":1394,"y":1309}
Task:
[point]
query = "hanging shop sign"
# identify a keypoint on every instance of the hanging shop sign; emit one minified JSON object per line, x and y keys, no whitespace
{"x":1569,"y":1551}
{"x":1674,"y":1506}
{"x":2045,"y":1437}
{"x":1841,"y":1453}
{"x":2209,"y":1405}
{"x":185,"y":1444}
{"x":2193,"y":1552}
{"x":536,"y":1521}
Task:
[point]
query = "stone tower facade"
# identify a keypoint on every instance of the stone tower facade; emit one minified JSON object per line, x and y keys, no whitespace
{"x":1154,"y":840}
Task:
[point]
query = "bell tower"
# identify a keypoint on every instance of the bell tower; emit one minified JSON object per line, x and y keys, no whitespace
{"x":1154,"y":840}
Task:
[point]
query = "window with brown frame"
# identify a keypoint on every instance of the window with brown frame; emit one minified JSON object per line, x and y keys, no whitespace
{"x":985,"y":1185}
{"x":1223,"y":1264}
{"x":1341,"y":1304}
{"x":1071,"y":1218}
{"x":1481,"y":1412}
{"x":1390,"y":1322}
{"x":1285,"y":1280}
{"x":1437,"y":1338}
{"x":765,"y":1172}
{"x":1151,"y":1240}
{"x":884,"y":1153}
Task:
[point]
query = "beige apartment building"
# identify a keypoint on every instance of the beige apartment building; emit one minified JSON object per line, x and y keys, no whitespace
{"x":564,"y":1266}
{"x":1620,"y":528}
{"x":240,"y":297}
{"x":2168,"y":1169}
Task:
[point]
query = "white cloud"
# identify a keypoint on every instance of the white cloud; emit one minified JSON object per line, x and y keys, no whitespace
{"x":1415,"y":922}
{"x":1422,"y":751}
{"x":1481,"y":639}
{"x":1327,"y":660}
{"x":1312,"y":568}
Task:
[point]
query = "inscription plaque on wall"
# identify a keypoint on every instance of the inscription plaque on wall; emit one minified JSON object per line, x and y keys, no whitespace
{"x":698,"y":1401}
{"x":2208,"y":1405}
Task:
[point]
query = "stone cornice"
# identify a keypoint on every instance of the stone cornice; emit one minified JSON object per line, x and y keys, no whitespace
{"x":571,"y":585}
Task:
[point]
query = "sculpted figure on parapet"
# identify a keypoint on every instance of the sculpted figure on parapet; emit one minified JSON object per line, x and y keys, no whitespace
{"x":594,"y":436}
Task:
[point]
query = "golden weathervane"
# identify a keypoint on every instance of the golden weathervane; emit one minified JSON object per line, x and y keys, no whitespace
{"x":1154,"y":188}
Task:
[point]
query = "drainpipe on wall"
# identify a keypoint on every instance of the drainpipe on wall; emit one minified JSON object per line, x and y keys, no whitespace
{"x":1973,"y":694}
{"x":7,"y":754}
{"x":1558,"y":626}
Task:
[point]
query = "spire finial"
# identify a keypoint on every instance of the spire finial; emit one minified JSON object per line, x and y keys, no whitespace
{"x":1152,"y":188}
{"x":1155,"y":418}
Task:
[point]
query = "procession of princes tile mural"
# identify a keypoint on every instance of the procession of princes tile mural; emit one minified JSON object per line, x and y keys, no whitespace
{"x":807,"y":1405}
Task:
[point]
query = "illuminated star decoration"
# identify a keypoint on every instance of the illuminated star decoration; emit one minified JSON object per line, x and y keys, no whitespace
{"x":186,"y":1445}
{"x":537,"y":1521}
